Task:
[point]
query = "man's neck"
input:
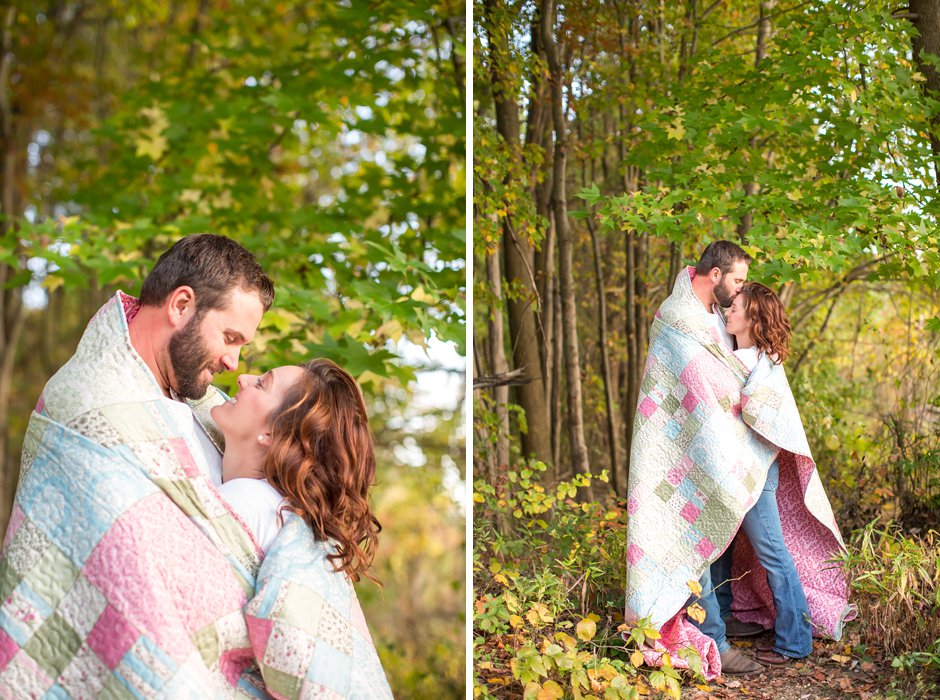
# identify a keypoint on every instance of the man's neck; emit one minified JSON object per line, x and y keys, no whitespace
{"x":143,"y":331}
{"x":703,"y":289}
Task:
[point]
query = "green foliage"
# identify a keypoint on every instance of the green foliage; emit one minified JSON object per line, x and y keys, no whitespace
{"x":895,"y":579}
{"x":329,"y":142}
{"x":535,"y":585}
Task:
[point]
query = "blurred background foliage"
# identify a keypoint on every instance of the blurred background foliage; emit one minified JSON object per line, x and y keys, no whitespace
{"x":329,"y":139}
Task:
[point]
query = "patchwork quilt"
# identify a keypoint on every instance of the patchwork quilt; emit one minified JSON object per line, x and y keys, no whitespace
{"x":124,"y":573}
{"x":306,"y":626}
{"x":706,"y":432}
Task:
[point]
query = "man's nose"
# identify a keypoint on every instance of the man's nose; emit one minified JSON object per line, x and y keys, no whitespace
{"x":229,"y":361}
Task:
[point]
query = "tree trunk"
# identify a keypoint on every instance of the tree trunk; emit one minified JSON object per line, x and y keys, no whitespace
{"x":750,"y":188}
{"x":498,"y":365}
{"x":613,"y":432}
{"x":577,"y":446}
{"x":518,"y":250}
{"x":926,"y":18}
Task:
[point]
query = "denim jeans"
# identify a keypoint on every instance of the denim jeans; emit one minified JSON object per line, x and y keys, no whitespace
{"x":793,"y":634}
{"x":713,"y":625}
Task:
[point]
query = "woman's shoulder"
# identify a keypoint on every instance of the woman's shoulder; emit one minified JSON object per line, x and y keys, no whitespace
{"x":245,"y":488}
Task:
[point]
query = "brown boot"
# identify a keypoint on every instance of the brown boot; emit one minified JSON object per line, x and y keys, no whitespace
{"x":734,"y":663}
{"x":735,"y":628}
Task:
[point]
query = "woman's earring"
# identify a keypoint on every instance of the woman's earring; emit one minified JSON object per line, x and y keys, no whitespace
{"x":260,"y":438}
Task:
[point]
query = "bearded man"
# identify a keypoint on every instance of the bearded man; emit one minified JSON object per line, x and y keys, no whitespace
{"x":123,"y":572}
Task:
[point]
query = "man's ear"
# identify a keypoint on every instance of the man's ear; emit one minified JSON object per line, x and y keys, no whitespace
{"x":715,"y":275}
{"x":181,"y":306}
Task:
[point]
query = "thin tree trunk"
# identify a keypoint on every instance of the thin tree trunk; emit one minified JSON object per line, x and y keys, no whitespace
{"x":577,"y":446}
{"x":613,"y":432}
{"x":557,"y":413}
{"x":518,"y":249}
{"x":498,"y":364}
{"x":750,"y":188}
{"x":926,"y":18}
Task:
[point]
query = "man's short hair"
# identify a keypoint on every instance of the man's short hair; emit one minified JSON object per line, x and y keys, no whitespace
{"x":723,"y":255}
{"x":213,"y":266}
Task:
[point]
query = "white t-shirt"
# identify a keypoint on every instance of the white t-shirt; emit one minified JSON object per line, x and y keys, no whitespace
{"x":748,"y":356}
{"x":207,"y":455}
{"x":257,"y":502}
{"x":718,"y":322}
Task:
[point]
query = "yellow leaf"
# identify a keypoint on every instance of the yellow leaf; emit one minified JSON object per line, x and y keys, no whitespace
{"x":52,"y":282}
{"x":840,"y":658}
{"x":153,"y":147}
{"x":695,"y":587}
{"x":495,"y":567}
{"x":515,"y":621}
{"x":636,"y":658}
{"x":499,"y":578}
{"x":696,"y":612}
{"x":550,"y":691}
{"x":566,"y":639}
{"x":422,"y":296}
{"x":586,"y":629}
{"x":667,"y":660}
{"x":652,"y":633}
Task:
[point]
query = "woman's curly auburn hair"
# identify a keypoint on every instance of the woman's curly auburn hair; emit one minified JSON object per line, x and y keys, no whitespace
{"x":322,"y":461}
{"x":770,"y":328}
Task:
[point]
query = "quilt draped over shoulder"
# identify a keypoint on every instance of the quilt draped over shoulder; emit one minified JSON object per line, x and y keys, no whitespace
{"x":124,"y":573}
{"x":706,"y":432}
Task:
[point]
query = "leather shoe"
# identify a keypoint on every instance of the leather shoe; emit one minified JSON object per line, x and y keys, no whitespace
{"x":734,"y":663}
{"x":735,"y":628}
{"x":773,"y":658}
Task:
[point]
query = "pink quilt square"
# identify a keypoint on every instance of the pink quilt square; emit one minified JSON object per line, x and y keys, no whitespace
{"x":647,"y":407}
{"x":690,"y":512}
{"x":632,"y":506}
{"x":8,"y":649}
{"x":705,"y":547}
{"x":16,"y":519}
{"x":185,"y":457}
{"x":111,"y":637}
{"x":634,"y":554}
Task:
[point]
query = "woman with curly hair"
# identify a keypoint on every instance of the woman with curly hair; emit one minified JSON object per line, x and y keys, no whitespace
{"x":297,"y":440}
{"x":759,"y":325}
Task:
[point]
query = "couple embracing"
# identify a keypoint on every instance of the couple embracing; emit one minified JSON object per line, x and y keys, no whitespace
{"x":724,"y":497}
{"x":168,"y":541}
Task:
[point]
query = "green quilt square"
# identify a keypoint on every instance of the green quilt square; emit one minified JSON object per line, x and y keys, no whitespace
{"x":114,"y":689}
{"x":58,"y":573}
{"x":664,"y":490}
{"x":207,"y":642}
{"x":282,"y":684}
{"x":302,"y":608}
{"x":53,"y":645}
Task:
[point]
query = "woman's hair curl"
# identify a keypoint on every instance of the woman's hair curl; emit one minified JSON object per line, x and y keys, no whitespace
{"x":770,"y":328}
{"x":322,"y":460}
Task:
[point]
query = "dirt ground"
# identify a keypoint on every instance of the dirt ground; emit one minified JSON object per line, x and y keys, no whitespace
{"x":832,"y":671}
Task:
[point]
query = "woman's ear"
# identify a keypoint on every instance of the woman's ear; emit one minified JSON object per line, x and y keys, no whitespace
{"x":265,"y":439}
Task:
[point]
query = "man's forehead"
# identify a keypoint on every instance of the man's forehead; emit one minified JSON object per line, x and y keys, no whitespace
{"x":241,"y":312}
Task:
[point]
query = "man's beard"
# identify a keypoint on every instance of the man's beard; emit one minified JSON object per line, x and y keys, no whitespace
{"x":724,"y":294}
{"x":189,"y":356}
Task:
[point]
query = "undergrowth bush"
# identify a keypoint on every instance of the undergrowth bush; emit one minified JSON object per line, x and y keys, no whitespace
{"x":549,"y":576}
{"x":895,"y":581}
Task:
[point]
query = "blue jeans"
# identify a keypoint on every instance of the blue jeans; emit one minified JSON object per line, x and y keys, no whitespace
{"x":713,"y":625}
{"x":793,"y":633}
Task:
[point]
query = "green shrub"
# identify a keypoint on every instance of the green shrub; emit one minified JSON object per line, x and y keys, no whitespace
{"x":548,"y":583}
{"x":895,"y":582}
